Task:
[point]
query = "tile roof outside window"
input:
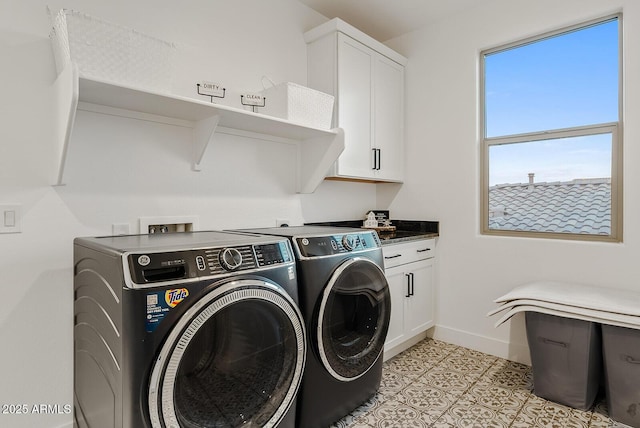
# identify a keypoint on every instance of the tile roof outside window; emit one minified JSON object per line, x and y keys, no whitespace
{"x":581,"y":206}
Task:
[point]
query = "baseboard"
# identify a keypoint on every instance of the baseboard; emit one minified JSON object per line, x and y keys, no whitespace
{"x":392,"y":352}
{"x":488,"y":345}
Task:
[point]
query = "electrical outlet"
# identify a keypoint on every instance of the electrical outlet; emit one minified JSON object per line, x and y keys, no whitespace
{"x":282,"y":222}
{"x":170,"y":228}
{"x":168,"y":224}
{"x":10,"y":218}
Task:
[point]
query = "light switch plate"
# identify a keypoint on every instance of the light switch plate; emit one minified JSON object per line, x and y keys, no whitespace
{"x":10,"y":218}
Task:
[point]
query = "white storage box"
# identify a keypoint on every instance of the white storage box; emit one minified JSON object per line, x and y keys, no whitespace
{"x":299,"y":104}
{"x":110,"y":52}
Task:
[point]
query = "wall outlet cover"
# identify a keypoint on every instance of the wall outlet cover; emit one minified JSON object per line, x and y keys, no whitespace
{"x":120,"y":229}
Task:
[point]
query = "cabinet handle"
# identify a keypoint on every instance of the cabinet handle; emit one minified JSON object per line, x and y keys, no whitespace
{"x":395,"y":256}
{"x":412,"y":283}
{"x":376,"y":159}
{"x":408,"y":275}
{"x":379,"y":159}
{"x":554,"y":342}
{"x":423,"y":250}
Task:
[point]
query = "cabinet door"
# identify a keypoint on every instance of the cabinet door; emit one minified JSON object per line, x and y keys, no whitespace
{"x":419,"y":309}
{"x":355,"y":68}
{"x":398,"y":289}
{"x":388,"y":119}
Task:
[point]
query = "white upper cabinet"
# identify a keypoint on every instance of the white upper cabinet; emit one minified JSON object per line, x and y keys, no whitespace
{"x":367,"y":80}
{"x":388,"y":125}
{"x":354,"y":112}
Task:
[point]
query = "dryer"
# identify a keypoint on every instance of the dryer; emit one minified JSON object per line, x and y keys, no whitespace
{"x":345,"y":302}
{"x":186,"y":330}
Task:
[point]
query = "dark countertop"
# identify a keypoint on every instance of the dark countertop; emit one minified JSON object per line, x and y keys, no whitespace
{"x":403,"y":235}
{"x":406,"y":230}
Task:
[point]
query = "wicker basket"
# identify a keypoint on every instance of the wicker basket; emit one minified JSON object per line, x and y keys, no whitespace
{"x":110,"y":52}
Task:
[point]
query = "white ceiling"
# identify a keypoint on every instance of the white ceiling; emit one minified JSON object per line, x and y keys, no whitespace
{"x":386,"y":19}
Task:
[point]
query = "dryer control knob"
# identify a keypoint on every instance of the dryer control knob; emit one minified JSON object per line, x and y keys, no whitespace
{"x":230,"y":259}
{"x":349,"y":242}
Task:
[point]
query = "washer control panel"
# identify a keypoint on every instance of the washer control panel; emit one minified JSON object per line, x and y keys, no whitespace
{"x":157,"y":267}
{"x":328,"y":245}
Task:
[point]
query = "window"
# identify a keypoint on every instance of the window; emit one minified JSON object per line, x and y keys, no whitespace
{"x":551,"y":135}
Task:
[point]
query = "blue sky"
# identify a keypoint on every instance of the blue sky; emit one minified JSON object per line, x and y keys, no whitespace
{"x":552,"y":160}
{"x":555,"y":83}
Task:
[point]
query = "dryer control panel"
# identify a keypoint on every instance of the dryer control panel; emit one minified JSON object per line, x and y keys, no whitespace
{"x":328,"y":245}
{"x":160,"y":267}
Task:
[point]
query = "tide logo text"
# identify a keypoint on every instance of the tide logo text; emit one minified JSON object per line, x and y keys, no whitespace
{"x":174,"y":297}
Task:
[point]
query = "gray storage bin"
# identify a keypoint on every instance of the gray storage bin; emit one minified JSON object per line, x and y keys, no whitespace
{"x":566,"y":359}
{"x":621,"y":351}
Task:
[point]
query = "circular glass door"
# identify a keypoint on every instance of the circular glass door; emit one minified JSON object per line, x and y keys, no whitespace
{"x":353,"y":319}
{"x":235,"y":359}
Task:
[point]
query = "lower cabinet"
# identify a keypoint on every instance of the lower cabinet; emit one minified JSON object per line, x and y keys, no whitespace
{"x":409,"y":271}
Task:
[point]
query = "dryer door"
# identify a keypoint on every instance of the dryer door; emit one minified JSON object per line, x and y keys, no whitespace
{"x":353,"y":319}
{"x":234,"y":359}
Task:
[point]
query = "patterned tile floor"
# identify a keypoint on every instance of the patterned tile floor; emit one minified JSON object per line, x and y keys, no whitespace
{"x":435,"y":384}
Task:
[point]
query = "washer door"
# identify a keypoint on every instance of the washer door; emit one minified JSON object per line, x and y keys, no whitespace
{"x":353,"y":319}
{"x":234,"y":359}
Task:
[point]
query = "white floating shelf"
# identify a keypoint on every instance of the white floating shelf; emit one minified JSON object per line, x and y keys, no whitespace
{"x":318,"y":149}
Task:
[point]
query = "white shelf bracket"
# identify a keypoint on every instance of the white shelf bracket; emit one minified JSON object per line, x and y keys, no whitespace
{"x":66,"y":94}
{"x":315,"y":157}
{"x":203,"y":132}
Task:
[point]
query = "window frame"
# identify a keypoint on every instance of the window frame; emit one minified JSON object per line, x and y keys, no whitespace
{"x":614,"y":128}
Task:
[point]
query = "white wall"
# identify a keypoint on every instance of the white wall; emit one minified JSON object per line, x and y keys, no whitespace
{"x":121,"y":169}
{"x":443,"y":170}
